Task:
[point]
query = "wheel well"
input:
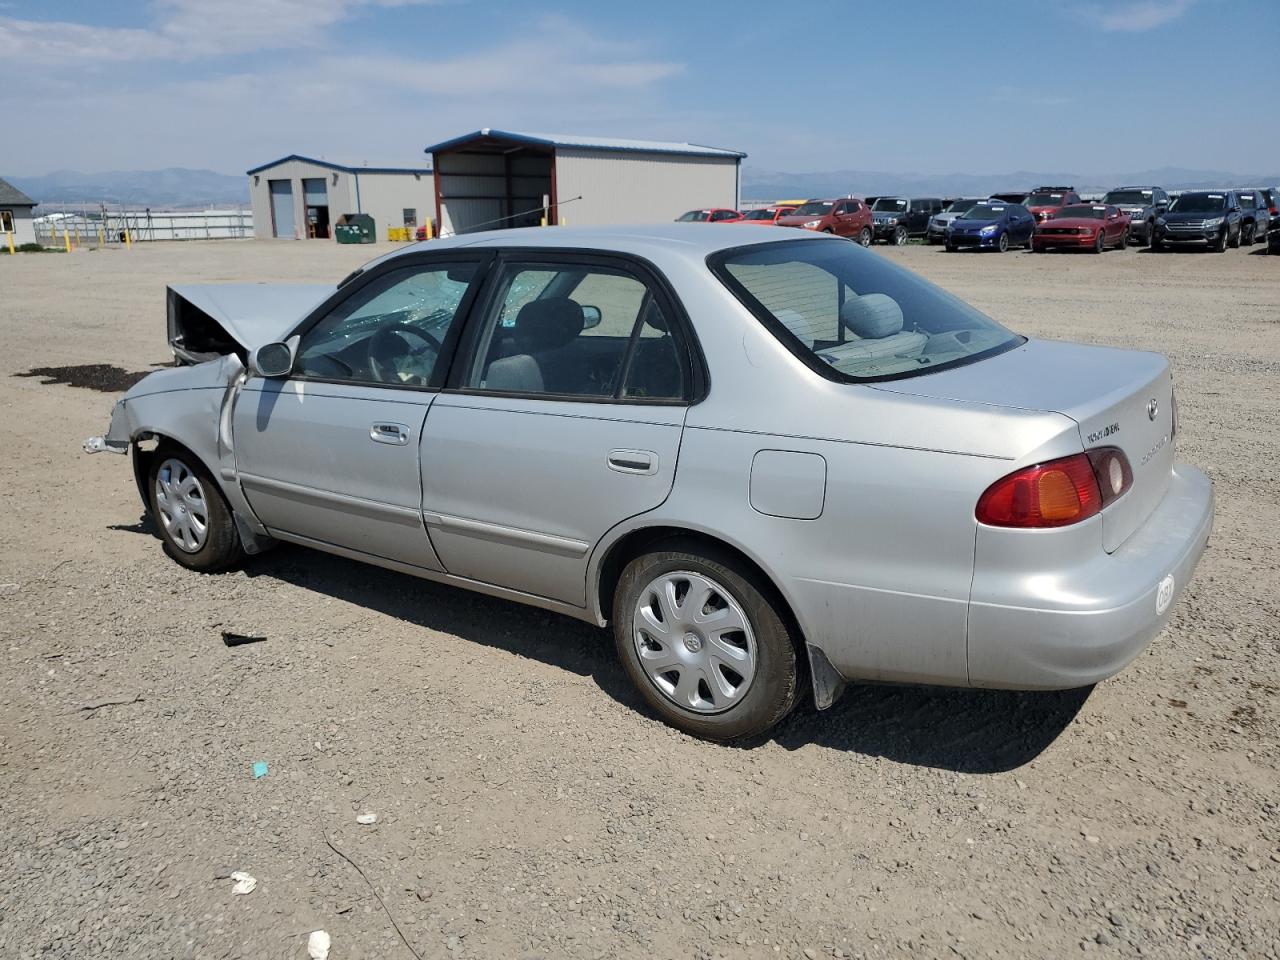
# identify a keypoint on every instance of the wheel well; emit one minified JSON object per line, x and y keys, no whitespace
{"x":640,"y":541}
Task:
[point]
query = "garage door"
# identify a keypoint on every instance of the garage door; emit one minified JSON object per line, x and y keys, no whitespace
{"x":281,"y":208}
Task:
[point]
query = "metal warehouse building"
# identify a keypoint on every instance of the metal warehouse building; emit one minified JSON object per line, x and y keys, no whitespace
{"x":299,"y":197}
{"x":494,"y":178}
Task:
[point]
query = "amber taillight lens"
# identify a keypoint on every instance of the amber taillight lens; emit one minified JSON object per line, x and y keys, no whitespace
{"x":1058,"y":492}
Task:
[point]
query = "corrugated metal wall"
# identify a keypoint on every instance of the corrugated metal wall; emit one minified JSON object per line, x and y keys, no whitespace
{"x":640,"y":187}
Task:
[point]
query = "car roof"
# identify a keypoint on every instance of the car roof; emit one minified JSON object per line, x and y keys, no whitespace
{"x":687,"y":241}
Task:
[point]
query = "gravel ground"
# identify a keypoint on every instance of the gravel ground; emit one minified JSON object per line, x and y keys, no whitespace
{"x":527,"y":805}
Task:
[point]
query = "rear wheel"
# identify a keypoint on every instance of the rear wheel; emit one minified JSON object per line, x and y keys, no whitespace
{"x":705,"y":642}
{"x":864,"y":237}
{"x":194,"y":519}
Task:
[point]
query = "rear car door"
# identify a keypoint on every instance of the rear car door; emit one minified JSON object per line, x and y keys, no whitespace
{"x":329,"y":454}
{"x":563,"y":418}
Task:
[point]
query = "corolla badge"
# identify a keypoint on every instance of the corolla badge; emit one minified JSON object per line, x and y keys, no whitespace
{"x":1152,"y":408}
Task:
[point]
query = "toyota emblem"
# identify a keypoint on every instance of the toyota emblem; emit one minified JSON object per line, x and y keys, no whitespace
{"x":1152,"y":409}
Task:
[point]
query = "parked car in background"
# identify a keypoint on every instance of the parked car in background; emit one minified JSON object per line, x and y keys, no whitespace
{"x":1143,"y":205}
{"x":770,"y":462}
{"x":1273,"y":237}
{"x":1255,"y":220}
{"x":1209,"y":217}
{"x":1084,"y":226}
{"x":1017,"y":196}
{"x":937,"y":232}
{"x":992,"y":225}
{"x":709,"y":215}
{"x":765,"y":216}
{"x":1044,"y":202}
{"x":1273,"y":201}
{"x":846,"y":217}
{"x":898,"y":218}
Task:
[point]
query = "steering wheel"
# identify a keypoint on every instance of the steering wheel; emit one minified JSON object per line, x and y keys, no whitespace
{"x":390,"y":343}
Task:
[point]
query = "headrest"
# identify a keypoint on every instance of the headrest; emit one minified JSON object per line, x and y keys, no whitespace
{"x":872,"y":316}
{"x":547,"y":324}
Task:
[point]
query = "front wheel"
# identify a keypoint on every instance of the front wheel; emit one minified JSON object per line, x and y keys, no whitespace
{"x":900,"y":236}
{"x":1124,"y":240}
{"x":1151,"y":234}
{"x":1221,"y":245}
{"x":1246,"y":235}
{"x":1100,"y":243}
{"x":1003,"y":243}
{"x":704,"y":642}
{"x":194,"y":519}
{"x":951,"y":247}
{"x":1235,"y":242}
{"x":864,"y":237}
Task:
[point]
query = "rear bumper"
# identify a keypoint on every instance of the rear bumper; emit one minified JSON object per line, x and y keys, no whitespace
{"x":1083,"y":622}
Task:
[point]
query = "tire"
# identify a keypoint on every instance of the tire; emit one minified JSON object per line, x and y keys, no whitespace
{"x":1246,"y":235}
{"x":1031,"y":240}
{"x":1101,"y":243}
{"x":900,"y":236}
{"x":1221,"y":245}
{"x":683,"y":696}
{"x":828,"y":231}
{"x":1003,"y":243}
{"x":1236,"y":242}
{"x":1124,"y":240}
{"x":1156,"y":245}
{"x":864,"y":237}
{"x":192,"y":516}
{"x":951,"y":247}
{"x":1151,"y":233}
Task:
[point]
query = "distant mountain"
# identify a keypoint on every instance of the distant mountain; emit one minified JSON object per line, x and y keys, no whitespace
{"x":172,"y":188}
{"x":767,"y":184}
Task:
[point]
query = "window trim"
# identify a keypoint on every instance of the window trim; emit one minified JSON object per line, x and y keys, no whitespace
{"x":716,"y":264}
{"x":354,"y":283}
{"x":13,"y":221}
{"x":690,"y":350}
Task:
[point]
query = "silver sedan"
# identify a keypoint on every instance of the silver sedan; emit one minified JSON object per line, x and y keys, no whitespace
{"x":773,"y":463}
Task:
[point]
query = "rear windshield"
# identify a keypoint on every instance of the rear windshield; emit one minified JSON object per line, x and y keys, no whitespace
{"x":1247,"y":201}
{"x":1045,"y":199}
{"x":694,"y":216}
{"x":758,"y":215}
{"x":1198,"y":203}
{"x":819,"y":207}
{"x":889,"y":204}
{"x":960,"y":206}
{"x":853,"y":315}
{"x":1129,"y":196}
{"x":1084,"y":212}
{"x":984,"y":211}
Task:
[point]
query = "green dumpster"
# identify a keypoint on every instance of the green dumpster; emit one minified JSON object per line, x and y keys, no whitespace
{"x":354,"y":228}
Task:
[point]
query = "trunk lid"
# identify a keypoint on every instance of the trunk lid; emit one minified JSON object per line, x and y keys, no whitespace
{"x":1119,"y":398}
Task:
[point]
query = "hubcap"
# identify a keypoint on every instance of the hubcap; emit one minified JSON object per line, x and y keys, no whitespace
{"x":694,"y":642}
{"x":180,"y":501}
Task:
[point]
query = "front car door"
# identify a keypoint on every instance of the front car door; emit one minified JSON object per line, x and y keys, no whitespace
{"x":328,"y":455}
{"x":563,"y":418}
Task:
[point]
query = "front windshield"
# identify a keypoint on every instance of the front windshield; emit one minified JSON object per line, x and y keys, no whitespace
{"x":855,"y":314}
{"x":889,"y":204}
{"x":758,"y":215}
{"x":818,"y":207}
{"x":695,"y":216}
{"x":1199,"y":203}
{"x":960,"y":206}
{"x":1142,"y":197}
{"x":1081,"y":213}
{"x":983,"y":211}
{"x":1045,"y":199}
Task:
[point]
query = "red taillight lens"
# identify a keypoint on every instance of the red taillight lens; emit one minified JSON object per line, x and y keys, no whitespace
{"x":1056,"y":493}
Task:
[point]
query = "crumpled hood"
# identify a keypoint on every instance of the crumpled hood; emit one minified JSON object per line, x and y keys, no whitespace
{"x":208,"y":320}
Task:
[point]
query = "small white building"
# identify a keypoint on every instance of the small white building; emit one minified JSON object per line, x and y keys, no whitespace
{"x":15,"y":216}
{"x":301,"y":198}
{"x":491,"y":179}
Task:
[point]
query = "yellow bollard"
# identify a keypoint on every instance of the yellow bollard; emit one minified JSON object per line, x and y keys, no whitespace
{"x":431,"y":231}
{"x":544,"y":221}
{"x":101,"y":240}
{"x":66,"y":237}
{"x":12,"y":251}
{"x":77,"y":234}
{"x":128,"y":241}
{"x":564,"y":222}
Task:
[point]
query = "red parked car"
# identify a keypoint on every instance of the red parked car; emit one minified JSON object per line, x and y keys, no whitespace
{"x":844,"y":218}
{"x":710,"y":215}
{"x":766,"y":216}
{"x":1084,"y":226}
{"x":1044,"y":202}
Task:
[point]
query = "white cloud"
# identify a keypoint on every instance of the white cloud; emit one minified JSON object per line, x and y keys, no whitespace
{"x":1137,"y":16}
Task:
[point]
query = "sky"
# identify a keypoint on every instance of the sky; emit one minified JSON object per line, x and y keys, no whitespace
{"x":914,"y":86}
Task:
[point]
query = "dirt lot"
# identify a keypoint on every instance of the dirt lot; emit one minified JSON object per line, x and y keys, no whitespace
{"x":527,"y":806}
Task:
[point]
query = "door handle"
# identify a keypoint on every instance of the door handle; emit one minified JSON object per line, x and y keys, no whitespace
{"x":641,"y":462}
{"x":396,"y":434}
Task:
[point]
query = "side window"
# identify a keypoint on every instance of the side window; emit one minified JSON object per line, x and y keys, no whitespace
{"x":576,"y":331}
{"x":722,"y":215}
{"x":390,"y":331}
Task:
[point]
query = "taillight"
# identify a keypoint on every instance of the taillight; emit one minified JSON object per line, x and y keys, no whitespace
{"x":1056,"y":493}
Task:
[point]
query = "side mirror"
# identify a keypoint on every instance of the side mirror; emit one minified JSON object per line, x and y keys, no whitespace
{"x":591,"y":317}
{"x":273,"y":359}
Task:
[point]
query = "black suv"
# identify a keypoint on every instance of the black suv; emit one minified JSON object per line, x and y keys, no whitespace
{"x":1211,"y":217}
{"x":897,"y":218}
{"x":1255,"y":220}
{"x":1143,"y":205}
